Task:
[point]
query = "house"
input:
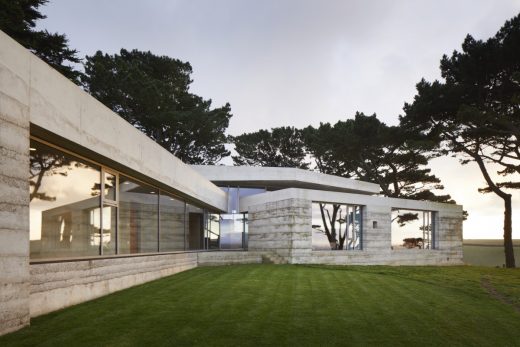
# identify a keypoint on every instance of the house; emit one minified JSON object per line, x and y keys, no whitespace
{"x":89,"y":205}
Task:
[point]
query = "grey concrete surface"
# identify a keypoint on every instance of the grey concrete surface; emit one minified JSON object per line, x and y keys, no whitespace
{"x":282,"y":177}
{"x":14,"y":186}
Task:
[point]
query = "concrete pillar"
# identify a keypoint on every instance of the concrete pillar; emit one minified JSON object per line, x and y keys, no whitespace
{"x":448,"y":236}
{"x":283,"y":227}
{"x":377,"y":228}
{"x":14,"y":186}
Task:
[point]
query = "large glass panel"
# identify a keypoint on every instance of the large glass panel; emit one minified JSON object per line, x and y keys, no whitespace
{"x":64,"y":193}
{"x":213,"y":231}
{"x":110,"y":186}
{"x":173,"y":216}
{"x":246,"y":231}
{"x":195,"y":230}
{"x":336,"y":226}
{"x":109,"y":229}
{"x":232,"y":231}
{"x":138,"y":217}
{"x":412,"y":229}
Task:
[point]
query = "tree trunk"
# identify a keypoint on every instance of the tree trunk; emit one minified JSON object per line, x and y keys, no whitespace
{"x":508,"y":231}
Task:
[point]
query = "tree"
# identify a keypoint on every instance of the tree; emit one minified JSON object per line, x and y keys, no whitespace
{"x":280,"y":147}
{"x":474,"y":112}
{"x":18,"y":20}
{"x":367,"y":149}
{"x":152,"y":93}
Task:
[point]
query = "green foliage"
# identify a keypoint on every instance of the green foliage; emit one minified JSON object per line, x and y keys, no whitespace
{"x":280,"y":147}
{"x":369,"y":150}
{"x":152,"y":93}
{"x":475,"y":112}
{"x":18,"y":20}
{"x":288,"y":305}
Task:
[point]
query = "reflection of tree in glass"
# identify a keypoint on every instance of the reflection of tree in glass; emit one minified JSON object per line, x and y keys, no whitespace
{"x":335,"y":237}
{"x":46,"y":164}
{"x":404,"y":218}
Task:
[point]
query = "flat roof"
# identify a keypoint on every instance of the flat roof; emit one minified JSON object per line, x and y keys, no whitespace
{"x":274,"y":178}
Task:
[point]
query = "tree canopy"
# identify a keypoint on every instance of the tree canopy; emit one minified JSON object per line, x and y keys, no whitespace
{"x":367,"y":149}
{"x":280,"y":147}
{"x":18,"y":20}
{"x":475,"y":112}
{"x":152,"y":93}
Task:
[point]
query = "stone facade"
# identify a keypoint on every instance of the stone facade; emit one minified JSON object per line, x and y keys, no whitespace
{"x":280,"y":223}
{"x":280,"y":227}
{"x":14,"y":187}
{"x":56,"y":285}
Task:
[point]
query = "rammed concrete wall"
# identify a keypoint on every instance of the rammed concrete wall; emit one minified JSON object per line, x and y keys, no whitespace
{"x":280,"y":222}
{"x":58,"y":285}
{"x":281,"y":227}
{"x":215,"y":258}
{"x":14,"y":186}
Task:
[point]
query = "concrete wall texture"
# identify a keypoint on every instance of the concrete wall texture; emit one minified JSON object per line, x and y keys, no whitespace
{"x":280,"y":224}
{"x":14,"y":186}
{"x":35,"y":99}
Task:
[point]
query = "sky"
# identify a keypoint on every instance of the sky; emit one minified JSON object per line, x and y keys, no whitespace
{"x":302,"y":62}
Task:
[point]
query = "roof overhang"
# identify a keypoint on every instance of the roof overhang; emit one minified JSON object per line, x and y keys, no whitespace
{"x":275,"y":178}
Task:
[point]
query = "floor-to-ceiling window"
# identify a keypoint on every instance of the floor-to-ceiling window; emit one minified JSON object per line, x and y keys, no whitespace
{"x":64,"y":204}
{"x":413,"y":229}
{"x":173,"y":223}
{"x":336,"y":226}
{"x":79,"y":208}
{"x":138,"y":216}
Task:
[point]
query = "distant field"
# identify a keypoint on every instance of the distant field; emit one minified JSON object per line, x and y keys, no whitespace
{"x":488,"y":252}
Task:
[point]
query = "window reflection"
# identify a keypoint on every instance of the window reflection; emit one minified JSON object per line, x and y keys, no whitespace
{"x":64,"y":191}
{"x":232,"y":230}
{"x":336,"y":226}
{"x":172,"y":217}
{"x":138,"y":217}
{"x":213,"y":231}
{"x":110,"y":186}
{"x":69,"y":218}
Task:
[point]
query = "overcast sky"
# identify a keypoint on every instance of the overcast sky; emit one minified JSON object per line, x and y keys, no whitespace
{"x":298,"y":62}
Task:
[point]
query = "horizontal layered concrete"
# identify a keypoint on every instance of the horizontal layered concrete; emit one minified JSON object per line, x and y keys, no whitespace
{"x":215,"y":258}
{"x":282,"y":177}
{"x":280,"y":222}
{"x":58,"y":285}
{"x":14,"y":186}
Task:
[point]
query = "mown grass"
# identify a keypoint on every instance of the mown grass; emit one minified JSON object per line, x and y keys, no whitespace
{"x":290,"y":305}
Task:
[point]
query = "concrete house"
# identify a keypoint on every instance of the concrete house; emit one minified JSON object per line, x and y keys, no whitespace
{"x":89,"y":205}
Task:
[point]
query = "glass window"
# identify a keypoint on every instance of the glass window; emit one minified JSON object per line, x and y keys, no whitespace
{"x":64,"y":195}
{"x":109,"y":229}
{"x":412,"y":229}
{"x":173,"y":216}
{"x":213,"y":231}
{"x":138,"y":217}
{"x":232,"y":231}
{"x":336,"y":226}
{"x":195,"y":227}
{"x":110,"y":186}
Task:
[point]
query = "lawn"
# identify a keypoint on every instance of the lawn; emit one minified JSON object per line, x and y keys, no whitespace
{"x":295,"y":305}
